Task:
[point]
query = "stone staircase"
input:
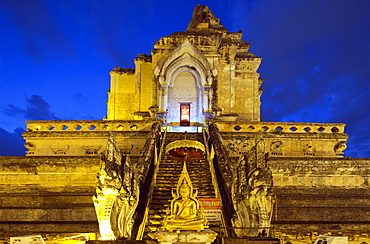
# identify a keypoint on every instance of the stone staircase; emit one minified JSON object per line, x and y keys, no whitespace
{"x":168,"y":174}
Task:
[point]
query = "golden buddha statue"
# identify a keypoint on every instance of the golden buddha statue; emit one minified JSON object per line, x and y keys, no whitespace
{"x":185,"y":213}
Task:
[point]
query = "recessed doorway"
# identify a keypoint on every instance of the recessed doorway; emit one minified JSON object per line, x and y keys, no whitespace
{"x":184,"y":114}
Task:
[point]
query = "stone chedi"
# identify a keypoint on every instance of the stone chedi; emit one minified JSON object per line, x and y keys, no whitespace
{"x":289,"y":177}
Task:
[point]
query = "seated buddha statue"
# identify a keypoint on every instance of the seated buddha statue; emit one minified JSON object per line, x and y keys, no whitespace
{"x":185,"y":213}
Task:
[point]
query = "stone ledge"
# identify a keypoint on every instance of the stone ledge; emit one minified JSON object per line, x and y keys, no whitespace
{"x":283,"y":127}
{"x":89,"y":125}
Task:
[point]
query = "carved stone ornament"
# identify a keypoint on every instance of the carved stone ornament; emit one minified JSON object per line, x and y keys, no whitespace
{"x":116,"y":194}
{"x":248,"y":184}
{"x":91,"y":150}
{"x":214,"y":71}
{"x":157,"y":70}
{"x":340,"y":147}
{"x":209,"y":80}
{"x":29,"y":146}
{"x":118,"y":187}
{"x":59,"y":149}
{"x":276,"y":146}
{"x":251,"y":193}
{"x":161,"y":79}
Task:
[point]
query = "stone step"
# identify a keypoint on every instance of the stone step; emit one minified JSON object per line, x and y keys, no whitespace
{"x":167,"y":177}
{"x":202,"y":178}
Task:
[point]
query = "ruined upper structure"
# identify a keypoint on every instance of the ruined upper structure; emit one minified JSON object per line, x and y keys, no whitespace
{"x":205,"y":70}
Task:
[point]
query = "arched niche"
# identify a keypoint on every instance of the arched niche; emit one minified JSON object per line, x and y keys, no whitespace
{"x":184,"y":91}
{"x":183,"y":73}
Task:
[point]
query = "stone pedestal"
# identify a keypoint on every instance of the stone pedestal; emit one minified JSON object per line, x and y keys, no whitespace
{"x":166,"y":237}
{"x":115,"y":242}
{"x":251,"y":240}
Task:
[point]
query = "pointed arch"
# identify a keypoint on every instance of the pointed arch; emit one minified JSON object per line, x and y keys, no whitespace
{"x":186,"y":50}
{"x":185,"y":58}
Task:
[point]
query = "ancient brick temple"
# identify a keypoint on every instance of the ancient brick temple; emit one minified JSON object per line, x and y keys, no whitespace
{"x":196,"y":96}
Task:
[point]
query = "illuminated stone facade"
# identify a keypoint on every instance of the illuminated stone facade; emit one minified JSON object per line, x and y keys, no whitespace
{"x":204,"y":78}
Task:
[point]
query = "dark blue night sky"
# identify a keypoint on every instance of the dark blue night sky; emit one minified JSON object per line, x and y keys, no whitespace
{"x":56,"y":55}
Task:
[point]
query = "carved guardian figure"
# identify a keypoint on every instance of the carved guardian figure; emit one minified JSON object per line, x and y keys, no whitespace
{"x":251,"y":193}
{"x":116,"y":194}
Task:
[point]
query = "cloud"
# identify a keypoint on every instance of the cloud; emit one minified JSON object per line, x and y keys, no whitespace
{"x":11,"y":144}
{"x":39,"y":31}
{"x":37,"y":109}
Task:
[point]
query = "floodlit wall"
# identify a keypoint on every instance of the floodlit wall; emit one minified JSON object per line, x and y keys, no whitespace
{"x":321,"y":196}
{"x":123,"y":98}
{"x":54,"y":194}
{"x":47,"y":194}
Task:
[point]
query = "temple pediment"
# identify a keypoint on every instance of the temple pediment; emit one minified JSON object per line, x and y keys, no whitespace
{"x":186,"y":50}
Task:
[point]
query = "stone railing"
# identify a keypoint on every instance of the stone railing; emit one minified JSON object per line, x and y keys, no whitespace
{"x":144,"y":125}
{"x":283,"y":127}
{"x":88,"y":125}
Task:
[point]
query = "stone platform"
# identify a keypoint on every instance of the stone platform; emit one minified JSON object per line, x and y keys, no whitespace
{"x":115,"y":242}
{"x":166,"y":237}
{"x":251,"y":240}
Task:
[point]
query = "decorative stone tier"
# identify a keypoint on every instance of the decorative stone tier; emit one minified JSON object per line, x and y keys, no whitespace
{"x":285,"y":139}
{"x":84,"y":138}
{"x":88,"y":125}
{"x":321,"y":173}
{"x":286,"y":127}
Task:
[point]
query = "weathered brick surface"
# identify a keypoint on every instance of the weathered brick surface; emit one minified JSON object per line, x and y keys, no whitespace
{"x":47,"y":194}
{"x":318,"y":195}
